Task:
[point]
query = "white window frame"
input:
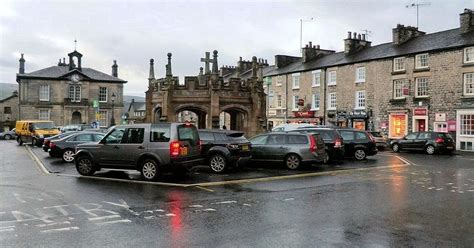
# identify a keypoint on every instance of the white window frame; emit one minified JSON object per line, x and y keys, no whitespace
{"x":399,"y":64}
{"x":106,"y":94}
{"x":315,"y":100}
{"x":279,"y":101}
{"x":75,"y":90}
{"x":295,"y":103}
{"x":360,"y":74}
{"x":468,"y":79}
{"x":103,"y":117}
{"x":296,"y":80}
{"x":332,"y":101}
{"x":41,"y":93}
{"x":418,"y":60}
{"x":360,"y":99}
{"x":466,"y":124}
{"x":48,"y":111}
{"x":440,"y":126}
{"x":402,"y":85}
{"x":417,"y":84}
{"x":332,"y":78}
{"x":468,"y":55}
{"x":316,"y":78}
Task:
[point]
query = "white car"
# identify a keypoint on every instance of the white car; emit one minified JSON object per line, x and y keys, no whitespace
{"x":291,"y":127}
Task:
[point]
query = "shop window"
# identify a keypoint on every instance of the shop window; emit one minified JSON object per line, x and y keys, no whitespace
{"x":467,"y":124}
{"x":359,"y":124}
{"x":466,"y":146}
{"x":441,"y":127}
{"x":398,"y":125}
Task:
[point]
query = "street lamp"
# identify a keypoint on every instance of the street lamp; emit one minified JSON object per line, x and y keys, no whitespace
{"x":301,"y":31}
{"x":112,"y":119}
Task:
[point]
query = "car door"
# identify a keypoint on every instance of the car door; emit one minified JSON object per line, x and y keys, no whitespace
{"x":258,"y":146}
{"x":348,"y":137}
{"x":276,"y":148}
{"x":407,"y":142}
{"x":207,"y":140}
{"x":421,"y":140}
{"x":79,"y":139}
{"x":131,"y":146}
{"x":109,"y":149}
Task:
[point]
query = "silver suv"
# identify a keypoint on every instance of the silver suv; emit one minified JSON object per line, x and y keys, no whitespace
{"x":148,"y":148}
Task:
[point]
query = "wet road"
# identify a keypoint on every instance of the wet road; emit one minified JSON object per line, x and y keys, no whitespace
{"x":426,"y":203}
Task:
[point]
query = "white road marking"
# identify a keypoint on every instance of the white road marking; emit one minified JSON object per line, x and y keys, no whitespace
{"x":209,"y":210}
{"x":53,"y":224}
{"x":159,"y":210}
{"x":60,"y":229}
{"x":104,"y":217}
{"x":246,"y":204}
{"x":225,"y":202}
{"x":195,"y":206}
{"x":289,"y":199}
{"x":7,"y":230}
{"x":171,"y":214}
{"x":113,"y":222}
{"x":38,"y":162}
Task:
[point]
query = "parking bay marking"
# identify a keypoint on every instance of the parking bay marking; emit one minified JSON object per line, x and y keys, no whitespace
{"x":220,"y":183}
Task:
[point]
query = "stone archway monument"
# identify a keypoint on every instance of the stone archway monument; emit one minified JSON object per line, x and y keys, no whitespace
{"x":237,"y":91}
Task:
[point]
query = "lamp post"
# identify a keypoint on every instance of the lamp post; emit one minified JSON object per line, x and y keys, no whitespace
{"x":301,"y":31}
{"x":112,"y":119}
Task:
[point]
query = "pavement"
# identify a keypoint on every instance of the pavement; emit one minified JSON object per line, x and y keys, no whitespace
{"x":405,"y":199}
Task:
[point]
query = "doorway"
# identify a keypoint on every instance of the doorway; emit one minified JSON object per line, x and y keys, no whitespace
{"x":76,"y":117}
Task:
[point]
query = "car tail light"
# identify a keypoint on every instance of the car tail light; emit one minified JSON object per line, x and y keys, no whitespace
{"x":174,"y":148}
{"x":52,"y":145}
{"x":338,"y":143}
{"x":312,"y":144}
{"x":439,"y":140}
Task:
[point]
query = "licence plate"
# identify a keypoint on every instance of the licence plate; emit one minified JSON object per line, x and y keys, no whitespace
{"x":449,"y":147}
{"x":245,"y":147}
{"x":184,"y":151}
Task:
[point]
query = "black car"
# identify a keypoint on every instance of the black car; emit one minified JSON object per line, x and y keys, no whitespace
{"x":65,"y":147}
{"x":430,"y":142}
{"x":332,"y":139}
{"x":224,"y":148}
{"x":358,"y":143}
{"x":55,"y":137}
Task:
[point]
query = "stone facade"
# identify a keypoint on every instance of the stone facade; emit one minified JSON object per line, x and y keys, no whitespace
{"x":65,"y":94}
{"x":9,"y":110}
{"x":419,"y":82}
{"x":211,"y":93}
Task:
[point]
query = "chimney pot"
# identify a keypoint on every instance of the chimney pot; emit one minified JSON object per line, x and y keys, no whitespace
{"x":359,"y":37}
{"x":310,"y":44}
{"x":355,"y":36}
{"x":317,"y":46}
{"x":349,"y":35}
{"x":363,"y":36}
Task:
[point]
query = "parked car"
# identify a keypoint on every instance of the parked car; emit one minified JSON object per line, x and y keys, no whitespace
{"x":290,"y":126}
{"x":291,"y":148}
{"x":65,"y":147}
{"x":59,"y":136}
{"x":380,"y":140}
{"x":224,"y":148}
{"x":7,"y":134}
{"x":148,"y":148}
{"x":358,"y":143}
{"x":332,"y":139}
{"x":34,"y":131}
{"x":74,"y":127}
{"x":430,"y":142}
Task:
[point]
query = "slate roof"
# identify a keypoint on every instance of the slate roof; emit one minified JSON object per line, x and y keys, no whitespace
{"x":56,"y":72}
{"x":444,"y":40}
{"x":137,"y":106}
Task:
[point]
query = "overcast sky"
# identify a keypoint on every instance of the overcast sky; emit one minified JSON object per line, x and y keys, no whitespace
{"x":132,"y":32}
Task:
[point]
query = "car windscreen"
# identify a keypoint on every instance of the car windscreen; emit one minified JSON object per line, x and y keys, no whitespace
{"x":43,"y":125}
{"x":188,"y":133}
{"x":376,"y":134}
{"x":237,"y":137}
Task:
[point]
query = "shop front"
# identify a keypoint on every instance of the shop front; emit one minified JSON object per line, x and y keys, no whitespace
{"x":359,"y":119}
{"x":465,"y":130}
{"x":398,"y":124}
{"x":420,"y":120}
{"x":342,"y":119}
{"x":307,"y":117}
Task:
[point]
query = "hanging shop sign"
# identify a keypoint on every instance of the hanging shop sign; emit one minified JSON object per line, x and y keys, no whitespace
{"x":304,"y":114}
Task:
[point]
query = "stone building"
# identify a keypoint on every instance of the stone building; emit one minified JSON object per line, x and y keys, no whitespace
{"x":417,"y":82}
{"x":9,"y":111}
{"x":136,"y":112}
{"x":236,"y":92}
{"x":66,"y":93}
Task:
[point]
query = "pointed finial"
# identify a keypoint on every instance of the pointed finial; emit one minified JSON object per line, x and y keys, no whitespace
{"x":75,"y":44}
{"x":168,"y":66}
{"x":151,"y":75}
{"x":215,"y":66}
{"x":201,"y":71}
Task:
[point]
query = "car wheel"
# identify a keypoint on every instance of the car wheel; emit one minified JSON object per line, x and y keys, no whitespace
{"x":218,"y":163}
{"x":68,"y":156}
{"x":7,"y":137}
{"x":359,"y":154}
{"x":430,"y":150}
{"x":85,"y":165}
{"x":292,"y":161}
{"x":149,"y":169}
{"x":395,"y":148}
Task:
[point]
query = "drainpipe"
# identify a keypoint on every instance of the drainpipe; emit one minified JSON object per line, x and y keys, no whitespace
{"x":286,"y":98}
{"x":324,"y":95}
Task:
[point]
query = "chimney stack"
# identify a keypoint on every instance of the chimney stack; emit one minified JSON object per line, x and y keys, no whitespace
{"x":402,"y":34}
{"x":467,"y":21}
{"x":355,"y":43}
{"x":22,"y":65}
{"x":115,"y":69}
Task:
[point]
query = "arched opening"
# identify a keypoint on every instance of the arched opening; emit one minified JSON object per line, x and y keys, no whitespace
{"x":193,"y":115}
{"x":156,"y":115}
{"x":233,"y":118}
{"x":76,"y":117}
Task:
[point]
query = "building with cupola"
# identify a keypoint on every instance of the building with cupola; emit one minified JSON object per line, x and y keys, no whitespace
{"x":68,"y":93}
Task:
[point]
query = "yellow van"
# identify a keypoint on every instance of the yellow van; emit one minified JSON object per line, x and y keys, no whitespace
{"x":34,"y":131}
